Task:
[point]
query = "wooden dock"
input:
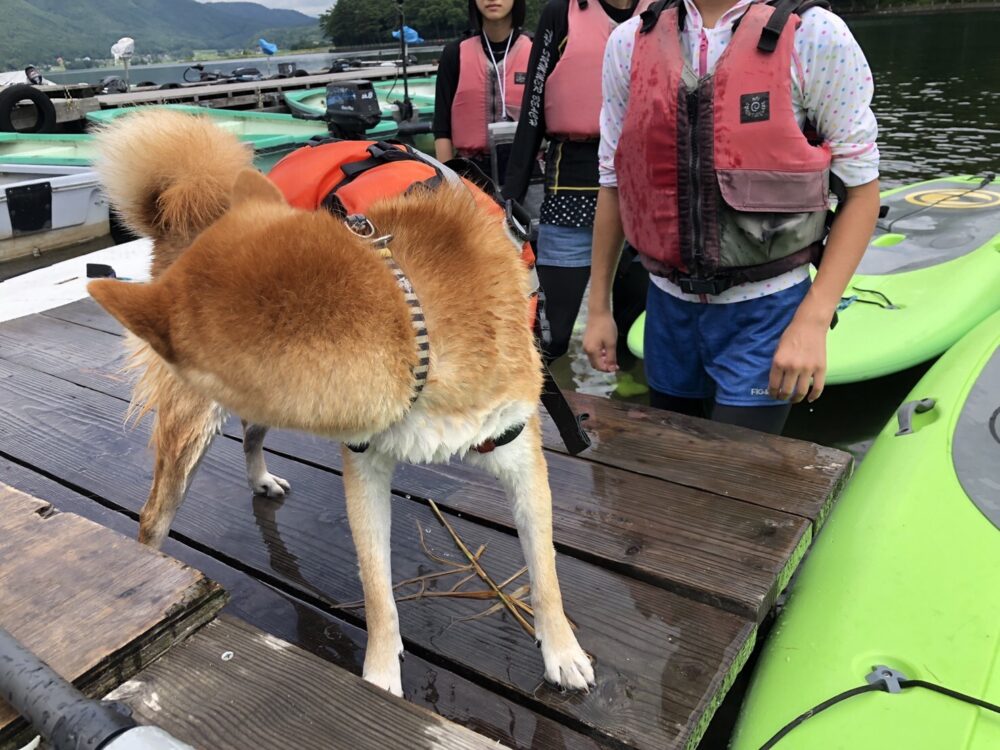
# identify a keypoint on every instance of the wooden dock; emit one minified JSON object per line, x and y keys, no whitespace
{"x":674,"y":536}
{"x":73,"y":102}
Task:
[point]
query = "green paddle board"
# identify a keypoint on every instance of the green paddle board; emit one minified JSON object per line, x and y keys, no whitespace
{"x":906,"y":574}
{"x":930,"y":274}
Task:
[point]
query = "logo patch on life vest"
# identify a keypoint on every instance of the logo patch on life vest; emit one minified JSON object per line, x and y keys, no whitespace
{"x":755,"y":107}
{"x":520,"y":78}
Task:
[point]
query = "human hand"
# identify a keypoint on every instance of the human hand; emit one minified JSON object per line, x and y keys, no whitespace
{"x":600,"y":340}
{"x":800,"y":362}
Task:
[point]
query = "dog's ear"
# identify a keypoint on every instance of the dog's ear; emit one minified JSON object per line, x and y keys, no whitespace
{"x":251,"y":185}
{"x":141,"y":308}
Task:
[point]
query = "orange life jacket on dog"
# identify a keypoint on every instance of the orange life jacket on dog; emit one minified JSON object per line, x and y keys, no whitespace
{"x":347,"y":177}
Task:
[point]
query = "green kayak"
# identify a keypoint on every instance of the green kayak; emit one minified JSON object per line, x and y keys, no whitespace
{"x":272,"y":135}
{"x":905,"y":574}
{"x":930,"y":274}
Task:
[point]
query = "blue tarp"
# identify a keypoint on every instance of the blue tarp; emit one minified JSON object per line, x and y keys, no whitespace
{"x":267,"y":47}
{"x":412,"y":37}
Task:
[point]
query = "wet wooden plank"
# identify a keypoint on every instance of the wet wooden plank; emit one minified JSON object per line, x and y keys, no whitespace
{"x":95,"y":605}
{"x":242,"y":700}
{"x":87,"y":313}
{"x":789,"y":475}
{"x":662,"y":660}
{"x":716,"y":549}
{"x":309,"y":627}
{"x":74,"y":352}
{"x":725,"y":552}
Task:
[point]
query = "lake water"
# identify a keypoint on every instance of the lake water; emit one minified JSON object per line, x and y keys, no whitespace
{"x":937,"y":100}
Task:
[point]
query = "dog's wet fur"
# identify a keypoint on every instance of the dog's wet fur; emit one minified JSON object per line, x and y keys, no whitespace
{"x":288,"y":319}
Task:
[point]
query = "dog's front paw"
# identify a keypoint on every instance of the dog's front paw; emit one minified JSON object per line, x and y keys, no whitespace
{"x":385,"y":672}
{"x":382,"y":666}
{"x":566,"y":664}
{"x":269,"y":485}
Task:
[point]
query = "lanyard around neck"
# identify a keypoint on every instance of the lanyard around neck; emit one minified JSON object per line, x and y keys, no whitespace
{"x":501,"y":77}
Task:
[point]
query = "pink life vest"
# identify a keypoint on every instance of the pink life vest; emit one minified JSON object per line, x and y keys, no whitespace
{"x":716,"y":179}
{"x":477,"y":98}
{"x":573,"y":90}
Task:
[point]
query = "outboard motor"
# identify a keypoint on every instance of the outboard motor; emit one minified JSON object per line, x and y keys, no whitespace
{"x":33,"y":76}
{"x":351,"y":108}
{"x":112,"y":85}
{"x":241,"y":75}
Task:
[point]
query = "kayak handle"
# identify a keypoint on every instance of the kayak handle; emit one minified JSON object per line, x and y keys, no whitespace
{"x":906,"y":412}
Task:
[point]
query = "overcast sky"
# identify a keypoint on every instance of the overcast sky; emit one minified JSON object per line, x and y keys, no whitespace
{"x":310,"y":7}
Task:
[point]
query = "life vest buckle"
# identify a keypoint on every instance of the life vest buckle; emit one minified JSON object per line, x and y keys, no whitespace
{"x":710,"y":285}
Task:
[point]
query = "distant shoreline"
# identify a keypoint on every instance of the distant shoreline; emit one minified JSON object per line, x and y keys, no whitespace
{"x":915,"y":9}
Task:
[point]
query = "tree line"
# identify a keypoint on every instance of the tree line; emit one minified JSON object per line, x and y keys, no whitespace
{"x":352,"y":22}
{"x":356,"y":22}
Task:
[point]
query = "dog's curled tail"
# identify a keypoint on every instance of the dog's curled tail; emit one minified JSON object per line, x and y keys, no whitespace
{"x":169,"y":174}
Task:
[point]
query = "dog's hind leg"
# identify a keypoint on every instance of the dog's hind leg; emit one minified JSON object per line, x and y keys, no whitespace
{"x":261,"y":481}
{"x":185,"y":424}
{"x":520,"y":467}
{"x":367,"y":478}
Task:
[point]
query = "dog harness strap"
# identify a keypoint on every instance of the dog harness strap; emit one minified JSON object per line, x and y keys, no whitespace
{"x":416,"y":320}
{"x":507,"y":436}
{"x":362,"y":226}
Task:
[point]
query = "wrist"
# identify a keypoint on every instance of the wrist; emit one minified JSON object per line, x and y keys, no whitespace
{"x":815,"y":312}
{"x":598,"y":306}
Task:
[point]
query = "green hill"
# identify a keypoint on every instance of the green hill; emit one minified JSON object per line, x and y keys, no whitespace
{"x":38,"y":31}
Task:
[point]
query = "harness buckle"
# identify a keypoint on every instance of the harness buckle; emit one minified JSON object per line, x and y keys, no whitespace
{"x":362,"y":226}
{"x":711,"y":285}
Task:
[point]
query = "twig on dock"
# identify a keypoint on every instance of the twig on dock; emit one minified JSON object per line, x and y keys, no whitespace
{"x":512,"y":602}
{"x":504,"y":598}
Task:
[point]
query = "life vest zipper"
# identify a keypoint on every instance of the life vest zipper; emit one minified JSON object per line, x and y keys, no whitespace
{"x":694,"y":173}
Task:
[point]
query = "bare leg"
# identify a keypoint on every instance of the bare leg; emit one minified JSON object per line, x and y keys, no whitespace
{"x":185,"y":424}
{"x":520,"y":467}
{"x":367,"y":478}
{"x":261,"y":481}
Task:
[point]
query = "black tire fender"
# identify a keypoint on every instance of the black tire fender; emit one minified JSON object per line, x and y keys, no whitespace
{"x":19,"y":92}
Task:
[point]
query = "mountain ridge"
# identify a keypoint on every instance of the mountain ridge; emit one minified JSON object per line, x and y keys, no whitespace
{"x":39,"y":31}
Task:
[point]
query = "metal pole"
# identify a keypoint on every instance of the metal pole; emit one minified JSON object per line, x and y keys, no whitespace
{"x":407,"y":112}
{"x":65,"y":717}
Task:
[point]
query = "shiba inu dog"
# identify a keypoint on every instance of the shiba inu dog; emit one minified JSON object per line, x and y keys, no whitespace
{"x":290,"y":319}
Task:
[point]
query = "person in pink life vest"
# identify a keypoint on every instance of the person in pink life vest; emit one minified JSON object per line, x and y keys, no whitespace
{"x":562,"y":104}
{"x":725,"y":126}
{"x":480,"y":81}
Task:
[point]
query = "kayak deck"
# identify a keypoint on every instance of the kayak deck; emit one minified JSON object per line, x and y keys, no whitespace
{"x":903,"y":575}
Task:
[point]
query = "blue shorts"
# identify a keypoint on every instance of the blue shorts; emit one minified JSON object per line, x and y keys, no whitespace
{"x":718,"y":351}
{"x":567,"y":247}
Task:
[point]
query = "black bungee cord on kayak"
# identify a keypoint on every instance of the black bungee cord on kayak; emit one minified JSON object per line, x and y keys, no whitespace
{"x":880,"y":678}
